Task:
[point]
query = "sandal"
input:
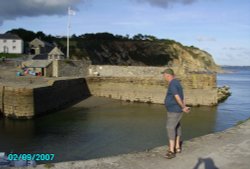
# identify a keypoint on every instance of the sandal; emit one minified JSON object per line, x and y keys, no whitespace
{"x":178,"y":150}
{"x":169,"y":155}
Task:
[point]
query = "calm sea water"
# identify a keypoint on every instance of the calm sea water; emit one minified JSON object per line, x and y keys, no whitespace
{"x":99,"y":127}
{"x":237,"y":107}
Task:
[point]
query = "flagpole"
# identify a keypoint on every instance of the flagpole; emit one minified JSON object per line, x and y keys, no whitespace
{"x":68,"y":27}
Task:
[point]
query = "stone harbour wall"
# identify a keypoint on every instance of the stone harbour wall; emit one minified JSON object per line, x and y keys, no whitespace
{"x":1,"y":98}
{"x":25,"y":103}
{"x":122,"y":83}
{"x":199,"y":89}
{"x":129,"y":71}
{"x":17,"y":102}
{"x":69,"y":68}
{"x":60,"y":94}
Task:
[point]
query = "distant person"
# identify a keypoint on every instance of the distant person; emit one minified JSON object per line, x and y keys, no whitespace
{"x":175,"y":105}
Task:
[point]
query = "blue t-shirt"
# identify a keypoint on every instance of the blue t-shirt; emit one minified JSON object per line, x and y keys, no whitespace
{"x":170,"y":101}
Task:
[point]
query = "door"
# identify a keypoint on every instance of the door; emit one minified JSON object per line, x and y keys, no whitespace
{"x":5,"y":49}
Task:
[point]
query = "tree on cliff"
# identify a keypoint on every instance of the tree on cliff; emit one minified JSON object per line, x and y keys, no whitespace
{"x":139,"y":36}
{"x":26,"y":35}
{"x":106,"y":48}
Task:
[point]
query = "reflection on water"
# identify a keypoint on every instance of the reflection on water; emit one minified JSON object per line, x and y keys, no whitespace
{"x":15,"y":134}
{"x":99,"y":127}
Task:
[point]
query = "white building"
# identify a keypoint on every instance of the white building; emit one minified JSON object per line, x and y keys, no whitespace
{"x":10,"y":43}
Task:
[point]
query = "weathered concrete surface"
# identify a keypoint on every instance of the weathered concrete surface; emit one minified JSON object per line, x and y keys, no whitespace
{"x":225,"y":150}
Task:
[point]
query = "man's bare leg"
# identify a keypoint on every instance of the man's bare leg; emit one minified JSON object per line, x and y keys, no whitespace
{"x":171,"y":145}
{"x":178,"y":142}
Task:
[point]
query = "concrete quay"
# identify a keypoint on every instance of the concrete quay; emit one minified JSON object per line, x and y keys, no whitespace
{"x":229,"y":149}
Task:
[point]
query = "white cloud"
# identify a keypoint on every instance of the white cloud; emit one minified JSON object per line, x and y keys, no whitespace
{"x":132,"y":23}
{"x":165,"y":3}
{"x":234,"y":56}
{"x":234,"y":48}
{"x":205,"y":39}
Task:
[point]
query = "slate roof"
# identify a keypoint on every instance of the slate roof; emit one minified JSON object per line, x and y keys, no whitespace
{"x":9,"y":36}
{"x":44,"y":42}
{"x":41,"y":57}
{"x":39,"y":64}
{"x":56,"y":51}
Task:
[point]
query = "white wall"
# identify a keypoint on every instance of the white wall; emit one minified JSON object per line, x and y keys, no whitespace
{"x":11,"y":46}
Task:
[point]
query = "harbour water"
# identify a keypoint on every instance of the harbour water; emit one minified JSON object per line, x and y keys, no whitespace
{"x":100,"y":127}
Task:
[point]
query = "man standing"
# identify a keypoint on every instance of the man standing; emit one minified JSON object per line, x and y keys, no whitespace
{"x":175,"y":105}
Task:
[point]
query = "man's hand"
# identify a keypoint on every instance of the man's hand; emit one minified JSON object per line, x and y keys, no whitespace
{"x":186,"y":109}
{"x":181,"y":103}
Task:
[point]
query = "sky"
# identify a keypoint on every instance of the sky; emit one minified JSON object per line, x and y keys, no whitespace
{"x":220,"y":27}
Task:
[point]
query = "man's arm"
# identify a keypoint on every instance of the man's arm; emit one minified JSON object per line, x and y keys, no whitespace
{"x":182,"y":104}
{"x":179,"y":101}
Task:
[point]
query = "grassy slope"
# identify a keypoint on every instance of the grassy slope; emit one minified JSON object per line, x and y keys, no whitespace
{"x":9,"y":55}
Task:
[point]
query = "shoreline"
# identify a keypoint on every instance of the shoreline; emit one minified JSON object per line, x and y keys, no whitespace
{"x":33,"y":96}
{"x":31,"y":101}
{"x":227,"y":149}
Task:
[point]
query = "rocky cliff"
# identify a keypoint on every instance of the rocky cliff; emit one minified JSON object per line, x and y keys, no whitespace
{"x":147,"y":53}
{"x":141,"y":50}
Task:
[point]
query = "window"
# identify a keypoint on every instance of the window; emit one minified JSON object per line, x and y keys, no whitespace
{"x":4,"y":41}
{"x":14,"y":47}
{"x":14,"y":41}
